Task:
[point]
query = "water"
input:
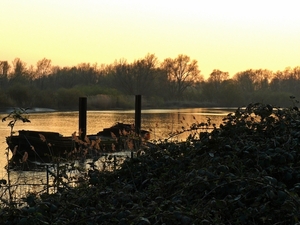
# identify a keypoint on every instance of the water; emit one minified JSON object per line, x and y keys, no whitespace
{"x":161,"y":122}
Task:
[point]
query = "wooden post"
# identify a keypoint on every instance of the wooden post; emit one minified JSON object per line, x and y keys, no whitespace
{"x":82,"y":116}
{"x":57,"y":176}
{"x":138,"y":112}
{"x":115,"y":162}
{"x":47,"y":179}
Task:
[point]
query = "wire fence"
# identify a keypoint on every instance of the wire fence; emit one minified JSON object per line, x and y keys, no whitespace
{"x":50,"y":177}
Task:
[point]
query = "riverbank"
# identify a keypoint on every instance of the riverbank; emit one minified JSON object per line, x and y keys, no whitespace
{"x":145,"y":105}
{"x":28,"y":110}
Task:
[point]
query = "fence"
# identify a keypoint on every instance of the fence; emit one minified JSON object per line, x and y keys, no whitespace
{"x":49,"y":178}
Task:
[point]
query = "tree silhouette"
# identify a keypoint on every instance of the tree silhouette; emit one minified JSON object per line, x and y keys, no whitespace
{"x":20,"y":72}
{"x":162,"y":84}
{"x":138,"y":77}
{"x":182,"y":73}
{"x":4,"y":69}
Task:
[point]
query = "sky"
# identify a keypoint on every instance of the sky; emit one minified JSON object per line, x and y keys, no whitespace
{"x":231,"y":36}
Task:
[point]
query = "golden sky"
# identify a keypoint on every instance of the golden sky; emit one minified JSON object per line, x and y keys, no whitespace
{"x":228,"y":35}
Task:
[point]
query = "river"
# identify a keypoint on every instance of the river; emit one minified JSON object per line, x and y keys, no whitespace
{"x":161,"y":122}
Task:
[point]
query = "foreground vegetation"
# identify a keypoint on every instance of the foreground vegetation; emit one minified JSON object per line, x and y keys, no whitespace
{"x":245,"y":172}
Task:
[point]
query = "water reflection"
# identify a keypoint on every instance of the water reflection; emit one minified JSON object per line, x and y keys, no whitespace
{"x":161,"y":122}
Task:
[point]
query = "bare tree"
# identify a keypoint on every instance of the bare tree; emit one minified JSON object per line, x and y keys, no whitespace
{"x":43,"y":68}
{"x":144,"y":73}
{"x":4,"y":68}
{"x":218,"y":76}
{"x":138,"y":77}
{"x":215,"y":87}
{"x":182,"y":73}
{"x":246,"y":80}
{"x":287,"y":80}
{"x":262,"y":78}
{"x":253,"y":80}
{"x":20,"y":72}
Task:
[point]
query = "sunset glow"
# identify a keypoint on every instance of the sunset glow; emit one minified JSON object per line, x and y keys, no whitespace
{"x":231,"y":36}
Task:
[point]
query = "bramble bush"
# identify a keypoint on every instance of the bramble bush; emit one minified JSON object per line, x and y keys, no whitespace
{"x":246,"y":171}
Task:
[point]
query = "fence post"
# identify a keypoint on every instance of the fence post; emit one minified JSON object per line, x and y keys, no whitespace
{"x":47,"y":179}
{"x":82,"y":116}
{"x":138,"y":112}
{"x":115,"y":162}
{"x":57,"y":176}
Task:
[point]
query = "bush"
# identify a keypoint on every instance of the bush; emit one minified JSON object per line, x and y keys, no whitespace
{"x":21,"y":95}
{"x":67,"y":98}
{"x":245,"y":172}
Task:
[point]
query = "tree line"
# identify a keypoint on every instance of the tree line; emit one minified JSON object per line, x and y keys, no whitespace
{"x":174,"y":82}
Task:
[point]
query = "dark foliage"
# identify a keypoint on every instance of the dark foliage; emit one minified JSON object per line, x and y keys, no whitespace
{"x":245,"y":172}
